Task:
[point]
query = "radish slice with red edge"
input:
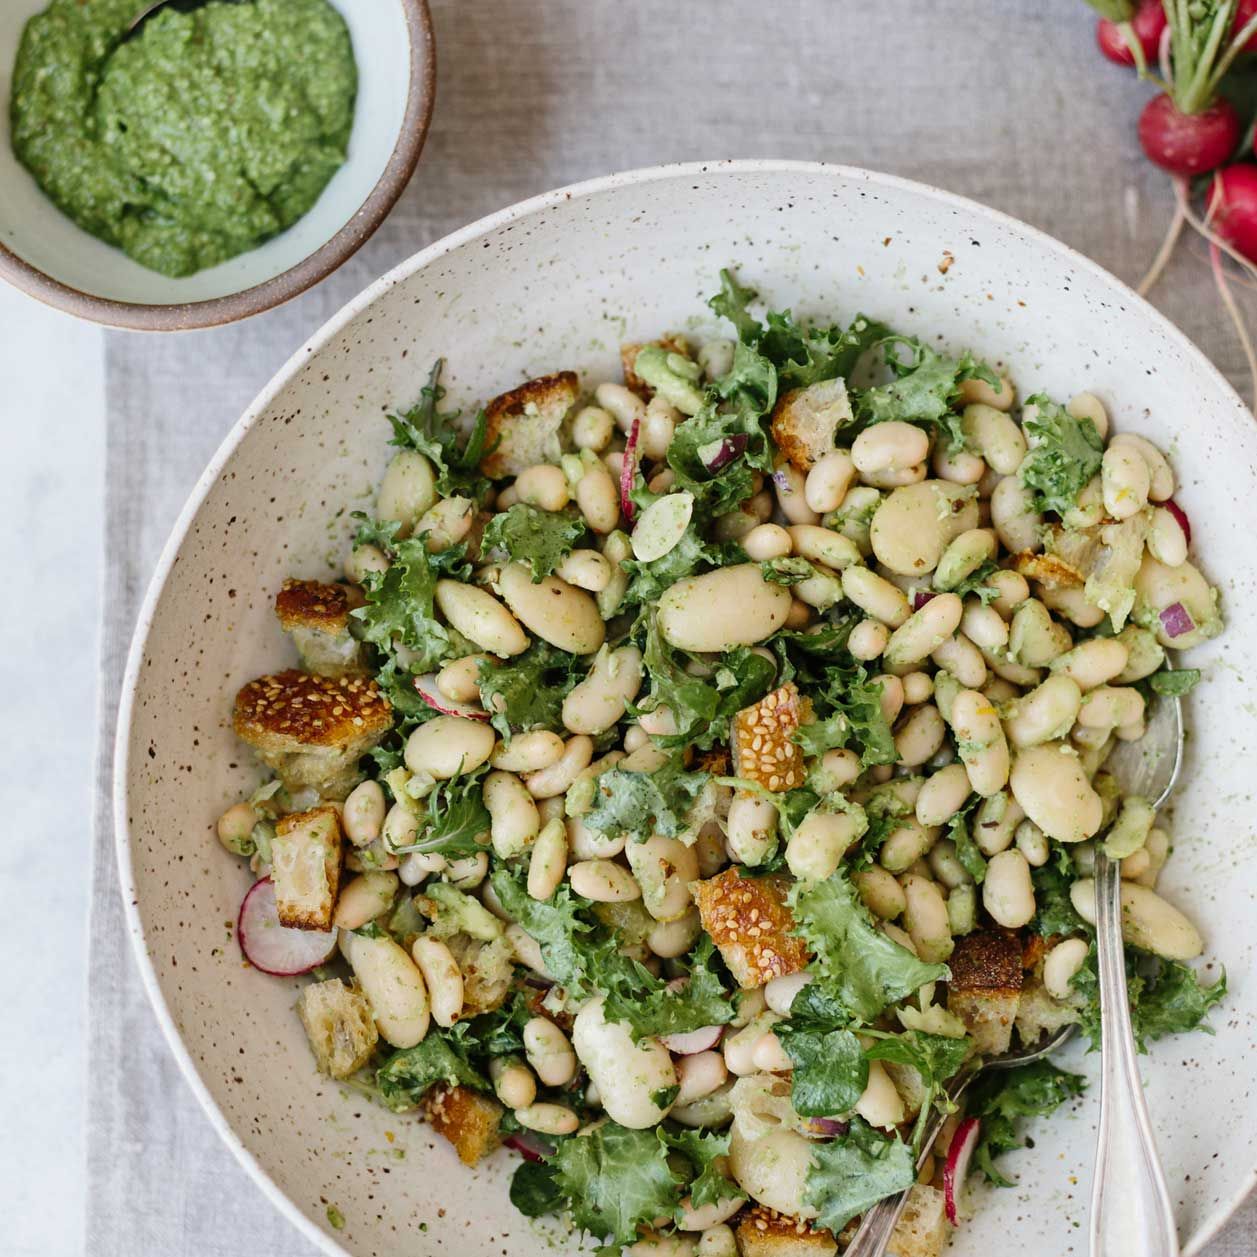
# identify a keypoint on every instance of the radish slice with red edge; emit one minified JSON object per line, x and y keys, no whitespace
{"x":628,"y":471}
{"x":920,"y":597}
{"x":529,"y":1146}
{"x":1176,"y":620}
{"x":718,"y":454}
{"x":691,"y":1041}
{"x":277,"y":949}
{"x":963,"y":1143}
{"x":826,"y":1127}
{"x":427,"y":689}
{"x":1180,"y":517}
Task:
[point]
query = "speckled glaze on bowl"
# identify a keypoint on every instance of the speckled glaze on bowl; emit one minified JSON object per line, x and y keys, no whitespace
{"x":558,"y":282}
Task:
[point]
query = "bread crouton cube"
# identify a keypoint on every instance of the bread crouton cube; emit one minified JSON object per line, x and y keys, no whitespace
{"x":763,"y":1232}
{"x":922,"y":1227}
{"x":985,"y":987}
{"x":806,"y":420}
{"x":1048,"y":570}
{"x":312,"y":730}
{"x":488,"y":969}
{"x":522,"y":425}
{"x":469,"y":1120}
{"x":749,"y":922}
{"x":339,"y":1025}
{"x":317,"y":617}
{"x":305,"y":867}
{"x":672,"y":343}
{"x":1040,"y":1014}
{"x":762,"y":748}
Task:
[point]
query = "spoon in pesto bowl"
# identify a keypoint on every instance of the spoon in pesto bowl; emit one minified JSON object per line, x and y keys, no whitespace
{"x":149,"y":10}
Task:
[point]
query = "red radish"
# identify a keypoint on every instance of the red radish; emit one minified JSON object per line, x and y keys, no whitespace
{"x":1176,"y":620}
{"x":628,"y":471}
{"x":273,"y":948}
{"x":920,"y":597}
{"x":1245,"y":11}
{"x":964,"y":1141}
{"x":1146,"y":26}
{"x":1180,"y":517}
{"x":1232,"y":210}
{"x":1188,"y":144}
{"x":428,"y":691}
{"x":701,"y":1040}
{"x":528,"y":1145}
{"x":826,"y":1127}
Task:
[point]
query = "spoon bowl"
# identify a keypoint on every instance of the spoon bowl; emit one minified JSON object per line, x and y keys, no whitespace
{"x":183,"y":6}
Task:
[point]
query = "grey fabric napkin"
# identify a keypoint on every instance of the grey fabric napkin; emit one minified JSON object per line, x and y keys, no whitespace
{"x":1002,"y":100}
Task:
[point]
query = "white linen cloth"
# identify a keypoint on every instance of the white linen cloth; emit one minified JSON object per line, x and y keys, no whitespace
{"x":1006,"y":101}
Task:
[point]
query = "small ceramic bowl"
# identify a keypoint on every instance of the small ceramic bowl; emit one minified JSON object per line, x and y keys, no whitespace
{"x":45,"y":254}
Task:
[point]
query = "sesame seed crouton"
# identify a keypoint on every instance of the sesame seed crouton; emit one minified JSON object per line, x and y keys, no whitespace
{"x":339,"y":1025}
{"x":749,"y":922}
{"x":305,"y":867}
{"x":312,"y":730}
{"x":673,"y":343}
{"x":763,"y":1232}
{"x":805,"y":421}
{"x":469,"y":1120}
{"x":762,"y":749}
{"x":522,"y":425}
{"x":985,"y":986}
{"x":317,"y":616}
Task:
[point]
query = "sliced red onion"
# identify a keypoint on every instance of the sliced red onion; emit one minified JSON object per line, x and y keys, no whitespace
{"x":426,"y":687}
{"x":720,"y":453}
{"x":529,"y":1146}
{"x":1176,"y":620}
{"x":1180,"y":517}
{"x":964,"y":1141}
{"x":628,"y":471}
{"x":920,"y":597}
{"x":827,"y":1127}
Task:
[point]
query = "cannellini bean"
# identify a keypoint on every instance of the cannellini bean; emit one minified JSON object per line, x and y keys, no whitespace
{"x":592,"y":429}
{"x":905,"y":845}
{"x":919,"y":737}
{"x":543,"y":485}
{"x":621,"y":403}
{"x":980,"y":739}
{"x":827,"y":483}
{"x":363,"y":814}
{"x":448,"y":746}
{"x":1051,"y":785}
{"x":1060,"y":965}
{"x":943,"y":795}
{"x":1013,"y":589}
{"x":728,"y":607}
{"x":1089,"y":406}
{"x":603,"y":881}
{"x":555,"y":611}
{"x":892,"y":696}
{"x":881,"y":893}
{"x":852,"y":518}
{"x":868,"y":639}
{"x":407,"y":490}
{"x":528,"y":752}
{"x":1110,"y":706}
{"x":447,"y":523}
{"x":959,"y":656}
{"x":669,"y":939}
{"x":629,"y":1076}
{"x":773,"y":1170}
{"x":1007,"y":892}
{"x":364,"y":898}
{"x":658,"y":428}
{"x":889,"y":446}
{"x":1148,"y":921}
{"x":1158,"y":587}
{"x":591,"y":844}
{"x":788,"y":485}
{"x":548,"y":1119}
{"x":1071,"y":602}
{"x":467,"y":872}
{"x":962,"y":909}
{"x":918,"y":687}
{"x":963,"y":557}
{"x":820,"y":591}
{"x":1033,"y":844}
{"x":442,"y":976}
{"x":525,"y":948}
{"x":769,"y":1056}
{"x":995,"y":436}
{"x":1167,"y":542}
{"x":817,"y":846}
{"x":823,"y":545}
{"x":513,"y":1082}
{"x":876,"y":596}
{"x":598,"y":497}
{"x":767,"y":541}
{"x":418,"y":865}
{"x":739,"y":1049}
{"x":548,"y":861}
{"x":841,"y":766}
{"x":978,"y":390}
{"x":915,"y":524}
{"x":547,"y":783}
{"x":1045,"y":714}
{"x":459,"y":680}
{"x":1125,"y":480}
{"x":598,"y":702}
{"x":779,"y":993}
{"x":513,"y":817}
{"x":925,"y":918}
{"x":393,"y":985}
{"x":924,"y":631}
{"x":363,"y":560}
{"x":1016,"y":521}
{"x":983,"y":626}
{"x":715,"y":356}
{"x":880,"y":1105}
{"x":894,"y":477}
{"x":996,"y":823}
{"x":946,"y":866}
{"x":1034,"y":638}
{"x":480,"y":617}
{"x":706,"y":1217}
{"x":958,"y":466}
{"x":664,"y":868}
{"x":1157,"y":849}
{"x":751,"y":829}
{"x":586,"y":569}
{"x":1160,"y":475}
{"x":549,"y":1052}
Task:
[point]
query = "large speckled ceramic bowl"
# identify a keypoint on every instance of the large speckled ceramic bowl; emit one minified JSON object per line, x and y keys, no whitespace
{"x":559,"y":282}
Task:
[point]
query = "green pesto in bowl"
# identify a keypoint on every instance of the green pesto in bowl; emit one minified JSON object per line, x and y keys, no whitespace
{"x":203,"y":136}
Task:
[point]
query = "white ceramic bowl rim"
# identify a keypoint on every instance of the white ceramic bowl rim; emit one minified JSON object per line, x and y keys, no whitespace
{"x":482,"y":227}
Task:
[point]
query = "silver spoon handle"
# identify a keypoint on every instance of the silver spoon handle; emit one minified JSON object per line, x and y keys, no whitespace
{"x":1130,"y":1206}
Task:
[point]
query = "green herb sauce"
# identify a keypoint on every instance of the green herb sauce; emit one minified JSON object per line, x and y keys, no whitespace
{"x":204,"y":135}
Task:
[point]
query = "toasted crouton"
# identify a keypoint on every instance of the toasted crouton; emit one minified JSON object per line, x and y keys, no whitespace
{"x":985,"y":987}
{"x":749,"y":921}
{"x":628,"y":355}
{"x":1040,"y":1014}
{"x":312,"y":730}
{"x":1048,"y":569}
{"x":317,"y":616}
{"x":469,"y":1120}
{"x":762,"y":748}
{"x":922,"y":1227}
{"x":339,"y":1025}
{"x":522,"y":426}
{"x":805,"y":421}
{"x":487,"y":969}
{"x":305,"y":867}
{"x":763,"y":1232}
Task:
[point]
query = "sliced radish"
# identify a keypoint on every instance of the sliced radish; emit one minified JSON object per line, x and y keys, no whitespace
{"x":826,"y":1127}
{"x":718,"y":454}
{"x":430,"y":693}
{"x":1180,"y":516}
{"x":964,"y":1141}
{"x":701,"y":1040}
{"x":529,"y":1146}
{"x":628,"y":471}
{"x":273,"y":948}
{"x":662,"y":525}
{"x":1176,"y":620}
{"x":920,"y":597}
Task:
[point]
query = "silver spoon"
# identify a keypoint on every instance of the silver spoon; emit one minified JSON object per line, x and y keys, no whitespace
{"x":149,"y":10}
{"x":879,"y":1221}
{"x":1130,"y":1204}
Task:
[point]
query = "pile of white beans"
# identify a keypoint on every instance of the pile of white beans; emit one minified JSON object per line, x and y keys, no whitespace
{"x":1009,"y":700}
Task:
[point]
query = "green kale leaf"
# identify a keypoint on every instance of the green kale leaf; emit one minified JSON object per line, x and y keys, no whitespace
{"x":641,"y":804}
{"x":705,"y":1151}
{"x":441,"y":1058}
{"x":1064,"y":454}
{"x":655,"y":1011}
{"x":526,"y":534}
{"x":830,"y":1070}
{"x":527,"y":692}
{"x":1174,"y":682}
{"x":854,"y":1171}
{"x":455,"y":821}
{"x":967,"y":851}
{"x":1056,"y":913}
{"x":534,"y":1191}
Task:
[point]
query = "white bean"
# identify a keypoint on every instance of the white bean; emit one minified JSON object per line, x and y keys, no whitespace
{"x":363,"y":813}
{"x":407,"y":490}
{"x":924,"y":631}
{"x":1045,"y":714}
{"x":664,"y":868}
{"x":980,"y":738}
{"x":548,"y":861}
{"x":658,"y":428}
{"x":603,"y":881}
{"x":363,"y":560}
{"x":996,"y":823}
{"x":592,"y":429}
{"x":513,"y":817}
{"x":876,"y":596}
{"x":731,"y":606}
{"x":448,"y":746}
{"x":925,"y":918}
{"x":881,"y":893}
{"x":1167,"y":542}
{"x":767,"y":541}
{"x":823,"y":545}
{"x":920,"y":736}
{"x":586,"y":569}
{"x":1007,"y":892}
{"x":598,"y":497}
{"x":1089,"y":406}
{"x":880,"y":1105}
{"x":235,"y":826}
{"x":548,"y":783}
{"x":1034,"y":638}
{"x":442,"y":976}
{"x":868,"y":639}
{"x":393,"y":985}
{"x":1033,"y":844}
{"x":1016,"y":521}
{"x":893,"y":445}
{"x":621,"y":403}
{"x":1125,"y":479}
{"x":480,"y":617}
{"x":957,"y":466}
{"x":513,"y":1082}
{"x":447,"y":523}
{"x":894,"y":477}
{"x":1111,"y":706}
{"x":943,"y":795}
{"x":983,"y":626}
{"x":976,"y":389}
{"x":528,"y":752}
{"x":1148,"y":921}
{"x":420,"y":864}
{"x":599,"y":701}
{"x":459,"y":680}
{"x":1051,"y":785}
{"x":964,"y":556}
{"x":669,"y":939}
{"x":1161,"y":477}
{"x":995,"y":436}
{"x":914,"y":525}
{"x":1013,"y":589}
{"x":548,"y":1119}
{"x":630,"y":1077}
{"x":555,"y":611}
{"x":828,"y":481}
{"x":1060,"y":965}
{"x":817,"y":846}
{"x":788,"y":485}
{"x":905,"y":845}
{"x":549,"y":1052}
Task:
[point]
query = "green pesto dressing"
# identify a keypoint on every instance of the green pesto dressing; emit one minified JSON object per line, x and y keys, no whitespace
{"x":195,"y":141}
